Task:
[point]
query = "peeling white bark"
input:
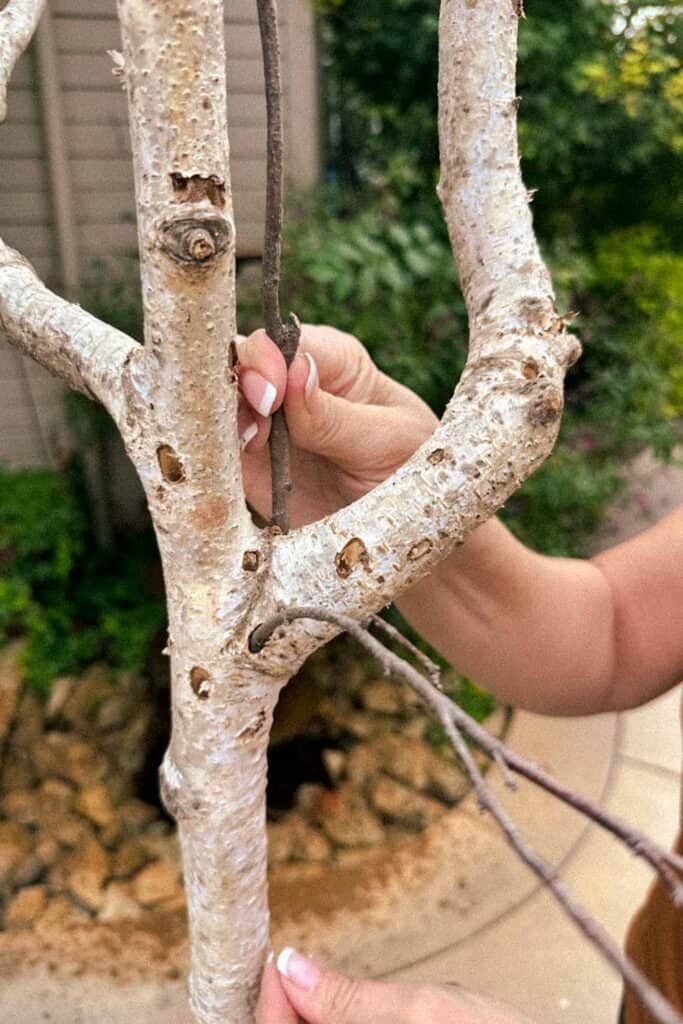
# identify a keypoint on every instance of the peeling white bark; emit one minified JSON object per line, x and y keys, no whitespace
{"x":89,"y":355}
{"x":17,"y":24}
{"x":175,"y":402}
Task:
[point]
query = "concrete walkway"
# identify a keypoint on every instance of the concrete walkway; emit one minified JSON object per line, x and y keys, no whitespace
{"x":531,"y":956}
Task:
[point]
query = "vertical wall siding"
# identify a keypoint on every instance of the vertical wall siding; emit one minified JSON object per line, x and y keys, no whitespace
{"x":98,"y":150}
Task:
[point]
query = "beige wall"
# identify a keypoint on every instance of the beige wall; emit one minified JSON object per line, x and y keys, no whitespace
{"x":87,"y":109}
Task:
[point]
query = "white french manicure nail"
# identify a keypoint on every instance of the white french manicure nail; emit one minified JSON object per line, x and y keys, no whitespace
{"x":265,"y":406}
{"x":248,"y":434}
{"x":312,"y":381}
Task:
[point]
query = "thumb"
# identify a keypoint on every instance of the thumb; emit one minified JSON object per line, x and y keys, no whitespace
{"x":321,"y":996}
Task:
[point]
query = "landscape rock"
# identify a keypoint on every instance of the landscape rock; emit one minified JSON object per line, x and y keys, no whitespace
{"x":59,"y":915}
{"x":119,"y":904}
{"x":156,"y":883}
{"x":16,"y":843}
{"x":60,"y":690}
{"x":346,"y":819}
{"x":403,"y":806}
{"x":11,"y":674}
{"x":406,"y":760}
{"x":86,"y":871}
{"x":381,"y":696}
{"x":28,"y":722}
{"x":128,"y":859}
{"x":294,"y":839}
{"x":335,"y":764}
{"x":160,"y":842}
{"x":17,"y":772}
{"x":68,"y":757}
{"x":447,"y":781}
{"x":87,"y":696}
{"x":135,"y":815}
{"x":24,"y":909}
{"x":94,"y":803}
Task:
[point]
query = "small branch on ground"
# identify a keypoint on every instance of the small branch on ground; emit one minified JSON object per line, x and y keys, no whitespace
{"x":455,"y":723}
{"x":285,"y":335}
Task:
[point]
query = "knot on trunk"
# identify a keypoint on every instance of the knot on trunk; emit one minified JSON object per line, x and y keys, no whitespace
{"x":198,"y":238}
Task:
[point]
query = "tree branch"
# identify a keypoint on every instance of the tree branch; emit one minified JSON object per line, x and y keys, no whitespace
{"x":503,"y":418}
{"x":87,"y":354}
{"x":286,"y":336}
{"x":454,"y":719}
{"x":17,"y":24}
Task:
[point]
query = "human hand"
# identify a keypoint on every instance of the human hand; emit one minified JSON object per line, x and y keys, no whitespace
{"x":350,"y":425}
{"x":296,"y":988}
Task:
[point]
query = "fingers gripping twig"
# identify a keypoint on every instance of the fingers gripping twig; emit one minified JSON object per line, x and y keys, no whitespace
{"x":455,"y":721}
{"x":17,"y":24}
{"x":286,"y":336}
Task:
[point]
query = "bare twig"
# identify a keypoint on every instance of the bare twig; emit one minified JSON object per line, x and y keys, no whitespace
{"x":430,"y":667}
{"x":17,"y":24}
{"x":454,"y":719}
{"x":285,"y":335}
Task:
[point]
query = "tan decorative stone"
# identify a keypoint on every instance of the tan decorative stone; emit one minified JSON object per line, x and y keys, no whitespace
{"x":135,"y":815}
{"x":406,"y":760}
{"x":157,"y":882}
{"x":160,"y":842}
{"x":335,"y":764}
{"x":363,"y":762}
{"x":87,"y":696}
{"x":28,"y":722}
{"x":381,"y":695}
{"x":128,"y":858}
{"x":94,"y":803}
{"x":293,"y":838}
{"x":346,"y":818}
{"x":60,"y":914}
{"x":68,"y":757}
{"x":403,"y":806}
{"x":447,"y":781}
{"x":280,"y":841}
{"x":87,"y":869}
{"x":28,"y":870}
{"x":17,"y":772}
{"x":119,"y":904}
{"x":16,"y":844}
{"x":60,"y":689}
{"x":25,"y":908}
{"x":10,"y":686}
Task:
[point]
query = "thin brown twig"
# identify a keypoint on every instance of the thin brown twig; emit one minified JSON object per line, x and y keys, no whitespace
{"x":665,"y":862}
{"x":453,"y":719}
{"x":285,"y":335}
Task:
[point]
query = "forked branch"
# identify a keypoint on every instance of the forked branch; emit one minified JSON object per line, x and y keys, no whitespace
{"x":455,"y":723}
{"x":17,"y":24}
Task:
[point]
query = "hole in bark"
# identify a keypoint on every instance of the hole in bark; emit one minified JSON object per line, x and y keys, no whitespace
{"x":196,"y":188}
{"x":199,"y":679}
{"x":170,"y":464}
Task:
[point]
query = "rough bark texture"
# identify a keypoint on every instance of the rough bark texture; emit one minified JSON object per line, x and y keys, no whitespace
{"x":175,"y":401}
{"x":18,"y":22}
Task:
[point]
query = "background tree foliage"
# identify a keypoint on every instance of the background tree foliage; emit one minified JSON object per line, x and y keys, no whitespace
{"x":601,"y":132}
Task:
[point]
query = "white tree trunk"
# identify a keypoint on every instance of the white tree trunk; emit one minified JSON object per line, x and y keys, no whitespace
{"x":175,"y":402}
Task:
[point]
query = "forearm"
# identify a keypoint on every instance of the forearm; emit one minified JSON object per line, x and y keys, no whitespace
{"x":536,"y":631}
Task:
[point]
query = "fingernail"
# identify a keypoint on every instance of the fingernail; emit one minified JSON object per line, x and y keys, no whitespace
{"x":270,"y":957}
{"x":248,"y":434}
{"x":258,"y":391}
{"x":298,"y":969}
{"x":312,"y":381}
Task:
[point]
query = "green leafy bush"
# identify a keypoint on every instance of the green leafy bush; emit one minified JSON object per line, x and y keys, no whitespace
{"x":74,"y":602}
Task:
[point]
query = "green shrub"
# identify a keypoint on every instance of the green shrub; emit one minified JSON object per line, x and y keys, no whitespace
{"x":74,"y":602}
